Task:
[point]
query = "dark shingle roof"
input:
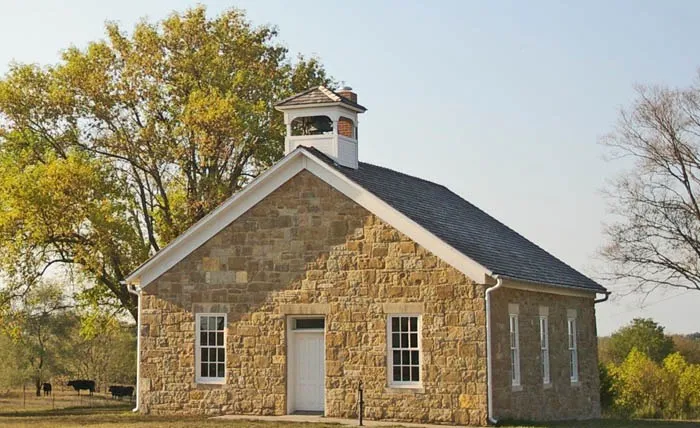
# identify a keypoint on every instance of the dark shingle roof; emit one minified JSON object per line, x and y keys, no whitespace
{"x":465,"y":227}
{"x":318,"y":95}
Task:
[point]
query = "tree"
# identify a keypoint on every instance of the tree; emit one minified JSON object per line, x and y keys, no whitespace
{"x":108,"y":155}
{"x":38,"y":330}
{"x":643,"y":334}
{"x":639,"y":386}
{"x":103,"y":349}
{"x":654,"y":240}
{"x":688,"y":346}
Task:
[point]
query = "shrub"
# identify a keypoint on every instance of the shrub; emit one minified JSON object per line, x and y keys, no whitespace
{"x":641,"y":388}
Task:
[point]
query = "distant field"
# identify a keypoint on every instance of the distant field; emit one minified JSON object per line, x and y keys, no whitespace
{"x":101,"y":411}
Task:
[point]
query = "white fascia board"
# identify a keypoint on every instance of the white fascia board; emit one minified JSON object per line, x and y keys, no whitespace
{"x":218,"y":219}
{"x":272,"y":179}
{"x":537,"y":287}
{"x":316,"y":106}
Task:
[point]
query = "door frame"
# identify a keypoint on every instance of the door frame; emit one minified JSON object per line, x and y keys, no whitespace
{"x":290,"y":370}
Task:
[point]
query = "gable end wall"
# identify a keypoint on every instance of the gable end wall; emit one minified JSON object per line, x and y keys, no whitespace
{"x":307,"y":243}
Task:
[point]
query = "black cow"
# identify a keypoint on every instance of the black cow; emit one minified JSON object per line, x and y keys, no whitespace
{"x":119,"y":391}
{"x":82,"y":384}
{"x":47,"y":388}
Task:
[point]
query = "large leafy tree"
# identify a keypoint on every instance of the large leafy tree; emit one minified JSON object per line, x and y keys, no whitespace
{"x":108,"y":155}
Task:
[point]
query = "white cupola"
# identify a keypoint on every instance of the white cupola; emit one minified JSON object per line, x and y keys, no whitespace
{"x":323,"y":119}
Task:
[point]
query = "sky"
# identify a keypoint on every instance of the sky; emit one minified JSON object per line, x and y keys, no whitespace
{"x":502,"y":102}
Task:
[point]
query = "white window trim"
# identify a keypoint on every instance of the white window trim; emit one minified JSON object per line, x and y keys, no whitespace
{"x":513,"y":329}
{"x":209,"y":380}
{"x":573,"y":348}
{"x":544,"y":350}
{"x":390,"y":355}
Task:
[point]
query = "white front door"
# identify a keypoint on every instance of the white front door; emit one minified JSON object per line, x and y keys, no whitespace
{"x":308,"y":371}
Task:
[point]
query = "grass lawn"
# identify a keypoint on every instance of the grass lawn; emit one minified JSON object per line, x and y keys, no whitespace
{"x":121,"y":416}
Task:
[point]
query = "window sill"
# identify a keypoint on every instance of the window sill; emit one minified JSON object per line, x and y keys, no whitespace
{"x":516,"y":388}
{"x":575,"y":383}
{"x":210,"y":382}
{"x":415,"y":389}
{"x":547,"y":385}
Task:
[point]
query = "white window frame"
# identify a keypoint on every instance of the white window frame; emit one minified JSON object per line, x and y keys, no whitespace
{"x":573,"y":348}
{"x":390,"y":353}
{"x":514,"y":345}
{"x":544,"y":349}
{"x":198,"y":369}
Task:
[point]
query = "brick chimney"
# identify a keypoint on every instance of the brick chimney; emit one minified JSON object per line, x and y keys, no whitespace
{"x":347,"y":92}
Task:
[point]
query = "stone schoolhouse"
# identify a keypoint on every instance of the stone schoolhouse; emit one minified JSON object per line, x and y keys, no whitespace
{"x":325,"y":273}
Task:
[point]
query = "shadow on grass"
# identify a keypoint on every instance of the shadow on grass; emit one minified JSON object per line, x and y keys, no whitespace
{"x":69,"y":411}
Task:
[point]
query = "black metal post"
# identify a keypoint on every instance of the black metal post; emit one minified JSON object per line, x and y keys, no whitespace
{"x":360,"y":403}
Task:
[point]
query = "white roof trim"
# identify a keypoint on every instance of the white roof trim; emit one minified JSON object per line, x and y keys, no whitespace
{"x":269,"y":181}
{"x":330,"y":94}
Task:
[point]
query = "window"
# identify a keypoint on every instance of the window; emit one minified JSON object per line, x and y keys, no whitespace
{"x":309,"y":323}
{"x":404,"y":350}
{"x":514,"y":350}
{"x":211,"y":348}
{"x":544,"y":348}
{"x":573,"y":352}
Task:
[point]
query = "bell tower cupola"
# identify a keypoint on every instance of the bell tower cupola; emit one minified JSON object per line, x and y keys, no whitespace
{"x":323,"y":119}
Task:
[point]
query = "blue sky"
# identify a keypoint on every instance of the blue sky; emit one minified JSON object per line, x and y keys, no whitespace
{"x":503,"y":102}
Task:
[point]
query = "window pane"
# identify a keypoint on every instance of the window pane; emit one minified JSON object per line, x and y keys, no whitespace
{"x":204,"y":354}
{"x":221,"y":370}
{"x":406,"y":373}
{"x":221,"y":355}
{"x":202,"y":323}
{"x":212,"y":323}
{"x":414,"y":357}
{"x":219,"y":339}
{"x":395,"y":343}
{"x":414,"y":374}
{"x":397,"y":357}
{"x":212,"y":369}
{"x":397,"y":373}
{"x":414,"y":340}
{"x":203,"y":339}
{"x":404,"y":324}
{"x":404,"y":340}
{"x":212,"y":338}
{"x":406,"y":357}
{"x":310,"y":323}
{"x":220,"y":323}
{"x":395,"y":324}
{"x":414,"y":324}
{"x":205,"y":370}
{"x":212,"y":355}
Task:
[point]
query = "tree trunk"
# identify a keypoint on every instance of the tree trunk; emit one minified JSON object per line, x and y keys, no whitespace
{"x":38,"y":386}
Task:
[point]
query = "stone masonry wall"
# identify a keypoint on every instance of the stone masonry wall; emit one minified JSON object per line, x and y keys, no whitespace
{"x":307,"y":243}
{"x":535,"y":401}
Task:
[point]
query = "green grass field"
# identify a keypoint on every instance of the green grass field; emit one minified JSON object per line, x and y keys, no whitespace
{"x":66,"y":409}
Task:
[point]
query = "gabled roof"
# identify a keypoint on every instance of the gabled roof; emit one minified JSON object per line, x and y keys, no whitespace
{"x":319,"y":95}
{"x":465,"y":227}
{"x":436,"y":218}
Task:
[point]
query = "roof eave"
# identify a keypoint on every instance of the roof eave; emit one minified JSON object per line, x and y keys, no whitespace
{"x":283,"y":107}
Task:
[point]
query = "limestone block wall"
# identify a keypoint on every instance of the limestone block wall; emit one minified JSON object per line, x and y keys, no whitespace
{"x":535,"y":401}
{"x":307,"y":243}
